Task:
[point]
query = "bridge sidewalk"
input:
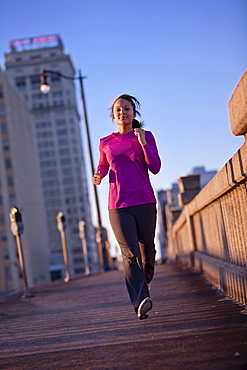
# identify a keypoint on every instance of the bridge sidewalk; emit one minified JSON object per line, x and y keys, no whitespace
{"x":89,"y":323}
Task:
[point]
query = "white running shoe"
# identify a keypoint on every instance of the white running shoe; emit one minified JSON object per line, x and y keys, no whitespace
{"x":145,"y":306}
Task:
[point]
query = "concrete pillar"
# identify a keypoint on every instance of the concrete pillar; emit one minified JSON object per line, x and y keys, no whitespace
{"x":189,"y":187}
{"x":237,"y":107}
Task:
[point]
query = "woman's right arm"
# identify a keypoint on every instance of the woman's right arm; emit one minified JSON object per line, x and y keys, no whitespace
{"x":102,"y":168}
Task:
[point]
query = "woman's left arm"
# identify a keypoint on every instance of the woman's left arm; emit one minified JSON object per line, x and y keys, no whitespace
{"x":150,"y":150}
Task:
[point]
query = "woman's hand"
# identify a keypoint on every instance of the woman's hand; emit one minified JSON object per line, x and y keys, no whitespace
{"x":140,"y":133}
{"x":97,"y":178}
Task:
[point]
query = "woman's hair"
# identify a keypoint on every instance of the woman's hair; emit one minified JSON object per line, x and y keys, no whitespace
{"x":135,"y":104}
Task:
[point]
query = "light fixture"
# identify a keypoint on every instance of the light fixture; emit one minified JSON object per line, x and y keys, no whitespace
{"x":44,"y":86}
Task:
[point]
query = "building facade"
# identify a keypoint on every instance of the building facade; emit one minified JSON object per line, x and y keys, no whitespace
{"x":56,"y":138}
{"x":20,"y":186}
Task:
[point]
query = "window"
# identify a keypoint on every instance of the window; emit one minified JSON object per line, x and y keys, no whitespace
{"x":51,"y":194}
{"x":4,"y":236}
{"x":49,"y":173}
{"x":39,"y":96}
{"x":55,"y":79}
{"x":42,"y":115}
{"x":56,"y":94}
{"x":56,"y":275}
{"x":37,"y":56}
{"x":78,"y":260}
{"x":48,"y":164}
{"x":44,"y":134}
{"x":1,"y":92}
{"x":35,"y":81}
{"x":64,"y":151}
{"x":44,"y":124}
{"x":65,"y":161}
{"x":12,"y":199}
{"x":2,"y":110}
{"x":69,"y":191}
{"x":41,"y":105}
{"x":5,"y":254}
{"x":8,"y":163}
{"x":79,"y":271}
{"x":60,"y":113}
{"x":20,"y":83}
{"x":50,"y":183}
{"x":58,"y":103}
{"x":4,"y":128}
{"x":68,"y":181}
{"x":63,"y":141}
{"x":70,"y":200}
{"x":62,"y":132}
{"x":46,"y":144}
{"x":47,"y":154}
{"x":67,"y":171}
{"x":61,"y":122}
{"x":10,"y":181}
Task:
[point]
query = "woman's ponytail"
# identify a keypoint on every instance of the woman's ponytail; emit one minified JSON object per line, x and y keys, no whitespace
{"x":137,"y":124}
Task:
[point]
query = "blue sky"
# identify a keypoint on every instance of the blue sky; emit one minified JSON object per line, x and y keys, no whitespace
{"x":181,"y":58}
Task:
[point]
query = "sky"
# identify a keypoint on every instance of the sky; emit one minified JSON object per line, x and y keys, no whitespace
{"x":181,"y":58}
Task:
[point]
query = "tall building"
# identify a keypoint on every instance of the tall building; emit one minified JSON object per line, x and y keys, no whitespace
{"x":56,"y":138}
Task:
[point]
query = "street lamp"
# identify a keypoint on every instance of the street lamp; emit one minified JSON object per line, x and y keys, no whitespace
{"x":45,"y":88}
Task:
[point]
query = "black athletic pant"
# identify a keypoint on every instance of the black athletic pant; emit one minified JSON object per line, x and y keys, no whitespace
{"x":134,"y":229}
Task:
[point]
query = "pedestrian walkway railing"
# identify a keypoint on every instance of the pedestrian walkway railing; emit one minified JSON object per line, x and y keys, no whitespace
{"x":210,"y":234}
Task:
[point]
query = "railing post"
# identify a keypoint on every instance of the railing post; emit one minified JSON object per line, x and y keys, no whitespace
{"x":61,"y":225}
{"x":17,"y":229}
{"x":81,"y":227}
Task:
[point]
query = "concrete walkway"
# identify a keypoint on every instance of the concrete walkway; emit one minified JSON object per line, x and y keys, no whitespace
{"x":89,"y":323}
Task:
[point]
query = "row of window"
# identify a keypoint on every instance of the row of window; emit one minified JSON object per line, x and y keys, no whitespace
{"x":60,"y":132}
{"x":53,"y":182}
{"x":61,"y":152}
{"x":21,"y":82}
{"x":63,"y":162}
{"x":61,"y":142}
{"x":47,"y":124}
{"x":53,"y":173}
{"x":35,"y":56}
{"x":54,"y":94}
{"x":55,"y":103}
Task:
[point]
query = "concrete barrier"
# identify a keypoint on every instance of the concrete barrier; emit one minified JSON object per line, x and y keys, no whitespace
{"x":210,"y":234}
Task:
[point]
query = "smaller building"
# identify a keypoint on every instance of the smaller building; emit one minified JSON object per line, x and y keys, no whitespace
{"x":169,"y":208}
{"x":205,"y":176}
{"x":20,"y":187}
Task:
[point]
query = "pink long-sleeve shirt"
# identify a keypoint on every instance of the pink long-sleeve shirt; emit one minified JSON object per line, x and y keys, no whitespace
{"x":128,"y":162}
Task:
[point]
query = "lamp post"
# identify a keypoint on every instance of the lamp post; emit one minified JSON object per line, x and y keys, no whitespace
{"x":45,"y":88}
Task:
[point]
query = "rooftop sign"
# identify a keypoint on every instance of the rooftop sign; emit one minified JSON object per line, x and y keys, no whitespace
{"x":34,"y":43}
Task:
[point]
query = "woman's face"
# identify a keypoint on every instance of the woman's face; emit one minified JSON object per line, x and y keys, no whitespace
{"x":123,"y":112}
